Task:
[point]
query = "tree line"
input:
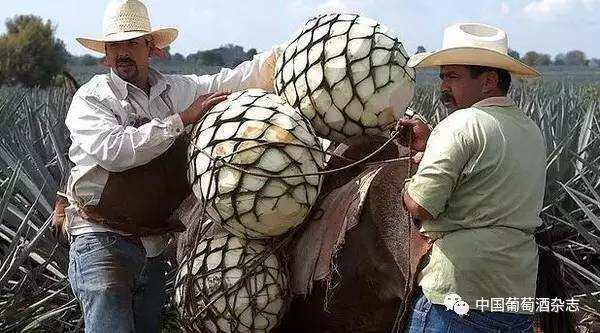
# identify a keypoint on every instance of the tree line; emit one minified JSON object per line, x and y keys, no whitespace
{"x":31,"y":55}
{"x":533,"y":58}
{"x":228,"y":55}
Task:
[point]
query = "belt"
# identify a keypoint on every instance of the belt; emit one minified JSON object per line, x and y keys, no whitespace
{"x":135,"y":240}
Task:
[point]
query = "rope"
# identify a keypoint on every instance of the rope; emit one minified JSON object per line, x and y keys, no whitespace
{"x":292,"y":83}
{"x":194,"y":313}
{"x":396,"y":328}
{"x":319,"y":173}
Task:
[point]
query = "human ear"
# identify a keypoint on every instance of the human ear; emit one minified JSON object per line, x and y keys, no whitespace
{"x":156,"y":52}
{"x":490,"y":81}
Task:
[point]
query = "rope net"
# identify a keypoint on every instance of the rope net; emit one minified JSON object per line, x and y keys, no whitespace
{"x":230,"y":284}
{"x":253,"y":160}
{"x":256,"y":165}
{"x":347,"y":74}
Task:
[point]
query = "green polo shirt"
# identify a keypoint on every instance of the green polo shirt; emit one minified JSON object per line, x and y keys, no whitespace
{"x":482,"y":178}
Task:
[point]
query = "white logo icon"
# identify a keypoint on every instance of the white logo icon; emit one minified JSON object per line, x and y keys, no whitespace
{"x":454,"y":302}
{"x":461,"y":308}
{"x":450,"y":300}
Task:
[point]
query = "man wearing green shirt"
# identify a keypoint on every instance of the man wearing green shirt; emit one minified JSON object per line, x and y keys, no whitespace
{"x":478,"y":190}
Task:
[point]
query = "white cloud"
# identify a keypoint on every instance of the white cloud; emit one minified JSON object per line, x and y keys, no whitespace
{"x":552,"y":8}
{"x":546,"y":7}
{"x":504,"y":8}
{"x":333,"y":6}
{"x":591,"y":4}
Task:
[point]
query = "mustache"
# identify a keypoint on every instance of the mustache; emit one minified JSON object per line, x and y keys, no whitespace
{"x":446,"y":97}
{"x":125,"y":61}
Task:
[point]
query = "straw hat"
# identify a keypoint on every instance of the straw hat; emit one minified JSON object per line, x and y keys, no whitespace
{"x":125,"y":20}
{"x":473,"y":44}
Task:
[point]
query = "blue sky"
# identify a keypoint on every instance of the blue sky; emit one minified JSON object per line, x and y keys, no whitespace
{"x":549,"y":26}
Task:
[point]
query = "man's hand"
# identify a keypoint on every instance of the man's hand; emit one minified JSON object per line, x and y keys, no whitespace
{"x":201,"y":106}
{"x":416,"y":158}
{"x":415,"y":130}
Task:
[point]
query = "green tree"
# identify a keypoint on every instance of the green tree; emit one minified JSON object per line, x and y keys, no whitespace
{"x":30,"y":54}
{"x":178,"y":58}
{"x":89,"y":60}
{"x":421,"y":49}
{"x":575,"y":58}
{"x":212,"y":58}
{"x":514,"y":54}
{"x":533,"y":58}
{"x":559,"y":59}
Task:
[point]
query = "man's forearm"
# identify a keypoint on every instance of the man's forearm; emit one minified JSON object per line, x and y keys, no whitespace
{"x":186,"y":117}
{"x":415,"y":209}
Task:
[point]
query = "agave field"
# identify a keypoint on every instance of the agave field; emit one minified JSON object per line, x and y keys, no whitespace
{"x":34,"y":291}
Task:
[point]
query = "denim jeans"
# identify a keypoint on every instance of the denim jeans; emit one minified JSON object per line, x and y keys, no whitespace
{"x":426,"y":317}
{"x":120,"y":290}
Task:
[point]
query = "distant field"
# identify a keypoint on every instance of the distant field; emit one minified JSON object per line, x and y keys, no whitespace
{"x":35,"y":294}
{"x":550,"y":74}
{"x":566,"y":74}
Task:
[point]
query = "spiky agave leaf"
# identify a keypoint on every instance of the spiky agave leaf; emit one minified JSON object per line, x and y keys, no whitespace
{"x":347,"y":74}
{"x":34,"y":290}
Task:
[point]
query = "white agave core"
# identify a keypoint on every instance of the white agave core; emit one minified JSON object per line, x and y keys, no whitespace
{"x":243,"y":131}
{"x":254,"y":304}
{"x":347,"y":74}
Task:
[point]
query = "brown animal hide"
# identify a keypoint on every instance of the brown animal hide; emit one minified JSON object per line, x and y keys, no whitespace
{"x":355,"y":262}
{"x":189,"y":213}
{"x":140,"y":200}
{"x":395,"y":229}
{"x":59,"y":224}
{"x":59,"y":221}
{"x":337,"y":213}
{"x":70,"y":83}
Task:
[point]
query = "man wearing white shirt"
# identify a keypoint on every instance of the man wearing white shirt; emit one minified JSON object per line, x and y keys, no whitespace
{"x":120,"y":282}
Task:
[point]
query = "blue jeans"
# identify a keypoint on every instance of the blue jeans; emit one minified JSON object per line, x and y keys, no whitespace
{"x":120,"y":290}
{"x":426,"y":317}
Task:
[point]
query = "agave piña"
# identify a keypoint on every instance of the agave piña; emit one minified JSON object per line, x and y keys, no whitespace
{"x":233,"y":284}
{"x":347,"y":74}
{"x":250,"y":159}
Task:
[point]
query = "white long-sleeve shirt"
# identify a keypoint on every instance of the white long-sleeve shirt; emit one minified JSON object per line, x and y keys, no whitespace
{"x":101,"y":117}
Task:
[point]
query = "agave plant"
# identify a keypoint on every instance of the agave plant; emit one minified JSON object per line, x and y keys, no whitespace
{"x":347,"y":74}
{"x":35,"y":293}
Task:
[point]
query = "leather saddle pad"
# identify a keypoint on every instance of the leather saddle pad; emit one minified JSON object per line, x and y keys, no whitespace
{"x":374,"y":190}
{"x":140,"y":200}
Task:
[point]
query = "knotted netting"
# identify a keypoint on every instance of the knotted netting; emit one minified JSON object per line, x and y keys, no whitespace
{"x":253,"y":161}
{"x":231,"y":284}
{"x":347,"y":74}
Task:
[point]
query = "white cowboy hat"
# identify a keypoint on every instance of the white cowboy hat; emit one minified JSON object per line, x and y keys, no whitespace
{"x":473,"y":44}
{"x":125,"y":20}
